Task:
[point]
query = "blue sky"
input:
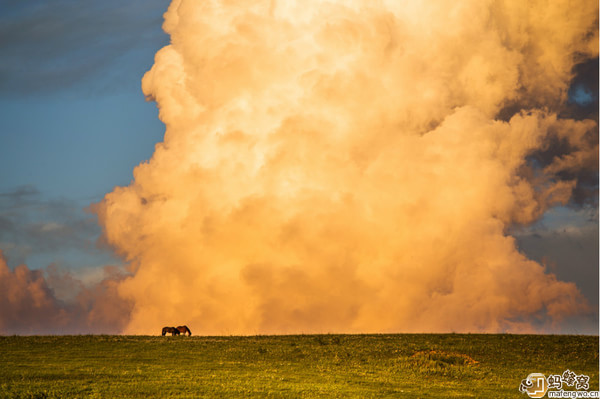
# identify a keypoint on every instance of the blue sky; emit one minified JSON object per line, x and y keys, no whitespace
{"x":70,"y":94}
{"x":74,"y":123}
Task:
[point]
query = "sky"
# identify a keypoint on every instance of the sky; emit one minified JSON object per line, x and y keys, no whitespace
{"x":317,"y":169}
{"x":74,"y":121}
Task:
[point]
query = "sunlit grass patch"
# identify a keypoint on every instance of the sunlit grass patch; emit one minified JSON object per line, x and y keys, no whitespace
{"x":361,"y":366}
{"x":444,"y":358}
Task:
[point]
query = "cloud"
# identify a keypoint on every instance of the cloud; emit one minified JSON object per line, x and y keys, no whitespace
{"x":32,"y":225}
{"x":52,"y":298}
{"x":583,"y":93}
{"x":355,"y":167}
{"x":572,"y":255}
{"x":566,"y":242}
{"x":28,"y":304}
{"x":49,"y":47}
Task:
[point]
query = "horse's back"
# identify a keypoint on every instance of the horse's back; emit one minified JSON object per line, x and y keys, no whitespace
{"x":184,"y":329}
{"x":172,"y":330}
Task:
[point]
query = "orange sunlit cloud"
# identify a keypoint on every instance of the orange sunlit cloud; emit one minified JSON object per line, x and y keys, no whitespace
{"x":33,"y":301}
{"x":337,"y":166}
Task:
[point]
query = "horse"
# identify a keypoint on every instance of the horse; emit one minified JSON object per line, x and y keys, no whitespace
{"x":184,"y":329}
{"x":171,"y":330}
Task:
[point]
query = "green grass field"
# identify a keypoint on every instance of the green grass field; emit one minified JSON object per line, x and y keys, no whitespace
{"x":362,"y":366}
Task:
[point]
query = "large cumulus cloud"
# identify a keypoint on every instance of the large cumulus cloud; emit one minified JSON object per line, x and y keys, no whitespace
{"x":355,"y":166}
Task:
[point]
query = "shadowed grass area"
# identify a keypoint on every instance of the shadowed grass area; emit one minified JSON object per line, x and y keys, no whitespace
{"x":362,"y":366}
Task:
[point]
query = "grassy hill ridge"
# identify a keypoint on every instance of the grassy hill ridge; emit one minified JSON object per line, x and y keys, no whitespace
{"x":395,"y":365}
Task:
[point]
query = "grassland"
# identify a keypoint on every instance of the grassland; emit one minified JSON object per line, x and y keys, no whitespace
{"x":362,"y":366}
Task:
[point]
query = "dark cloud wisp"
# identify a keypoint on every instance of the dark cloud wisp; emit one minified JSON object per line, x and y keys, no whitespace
{"x":57,"y":45}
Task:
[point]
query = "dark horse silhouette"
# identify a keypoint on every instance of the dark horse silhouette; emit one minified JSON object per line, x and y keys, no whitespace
{"x":184,"y":329}
{"x":171,"y":330}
